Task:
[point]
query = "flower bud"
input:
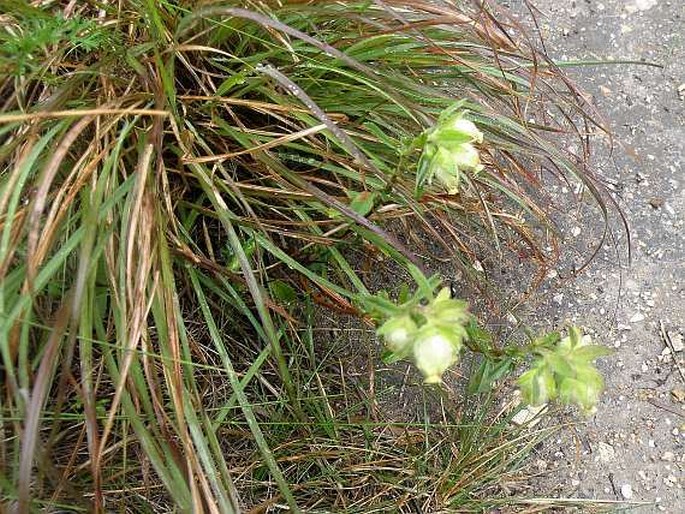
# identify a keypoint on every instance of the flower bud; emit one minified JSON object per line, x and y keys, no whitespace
{"x":465,"y":157}
{"x":434,"y":352}
{"x":448,"y":311}
{"x":398,"y":333}
{"x":537,"y":386}
{"x":467,"y":128}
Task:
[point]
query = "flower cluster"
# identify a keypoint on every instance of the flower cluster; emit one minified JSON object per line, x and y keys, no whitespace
{"x":431,"y":335}
{"x":448,"y":151}
{"x":566,"y":372}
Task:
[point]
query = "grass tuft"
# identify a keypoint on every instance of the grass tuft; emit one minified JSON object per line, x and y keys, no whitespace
{"x":183,"y":186}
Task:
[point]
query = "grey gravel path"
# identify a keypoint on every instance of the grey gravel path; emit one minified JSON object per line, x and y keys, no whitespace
{"x":634,"y":447}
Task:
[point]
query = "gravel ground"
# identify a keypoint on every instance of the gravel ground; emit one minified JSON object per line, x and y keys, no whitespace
{"x":634,"y":447}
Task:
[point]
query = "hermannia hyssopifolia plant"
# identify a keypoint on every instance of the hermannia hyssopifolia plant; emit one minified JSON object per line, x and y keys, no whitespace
{"x":431,"y":328}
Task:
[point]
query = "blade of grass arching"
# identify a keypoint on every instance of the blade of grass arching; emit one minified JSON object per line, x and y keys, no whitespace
{"x":560,"y":161}
{"x":12,"y":191}
{"x":208,"y":14}
{"x":213,"y":463}
{"x":383,"y":97}
{"x":251,"y":372}
{"x":252,"y":422}
{"x":258,"y":295}
{"x":301,"y":95}
{"x":47,"y":176}
{"x":78,"y":113}
{"x":36,"y":402}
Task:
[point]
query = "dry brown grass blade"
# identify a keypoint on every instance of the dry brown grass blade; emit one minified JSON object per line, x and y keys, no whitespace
{"x":174,"y":379}
{"x":62,"y":200}
{"x":294,"y":136}
{"x":41,"y":196}
{"x":481,"y":26}
{"x":139,"y":290}
{"x":78,"y":113}
{"x":36,"y":401}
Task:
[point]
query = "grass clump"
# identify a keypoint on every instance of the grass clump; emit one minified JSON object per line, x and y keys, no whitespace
{"x":183,"y":184}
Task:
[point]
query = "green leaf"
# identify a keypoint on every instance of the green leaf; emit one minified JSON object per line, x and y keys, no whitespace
{"x":424,"y":171}
{"x":282,"y":291}
{"x":403,"y":295}
{"x":591,"y":352}
{"x":479,"y":338}
{"x":362,"y":202}
{"x":576,"y":336}
{"x":548,"y":340}
{"x":558,"y":364}
{"x":450,"y":112}
{"x":487,"y":373}
{"x":235,"y":80}
{"x":449,"y":138}
{"x":537,"y":386}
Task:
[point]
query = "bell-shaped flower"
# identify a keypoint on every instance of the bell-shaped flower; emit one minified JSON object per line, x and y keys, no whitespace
{"x":435,"y":349}
{"x":466,"y":157}
{"x":444,"y":170}
{"x":398,"y":333}
{"x":537,"y":386}
{"x":584,"y":389}
{"x":449,"y":162}
{"x":465,"y":127}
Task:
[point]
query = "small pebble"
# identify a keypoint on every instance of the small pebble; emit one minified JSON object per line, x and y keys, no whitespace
{"x":637,"y":317}
{"x":677,"y":340}
{"x":605,"y":452}
{"x":627,"y":491}
{"x":668,"y":456}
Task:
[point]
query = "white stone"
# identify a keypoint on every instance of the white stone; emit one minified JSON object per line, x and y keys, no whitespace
{"x":641,"y":5}
{"x":637,"y":317}
{"x":529,"y":415}
{"x":668,"y":456}
{"x":677,"y":340}
{"x":627,"y":491}
{"x":605,"y":452}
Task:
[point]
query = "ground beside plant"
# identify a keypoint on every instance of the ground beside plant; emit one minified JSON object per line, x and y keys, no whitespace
{"x":634,"y":447}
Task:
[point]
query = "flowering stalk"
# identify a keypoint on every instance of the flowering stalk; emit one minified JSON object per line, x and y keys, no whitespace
{"x":430,"y":333}
{"x":448,"y":151}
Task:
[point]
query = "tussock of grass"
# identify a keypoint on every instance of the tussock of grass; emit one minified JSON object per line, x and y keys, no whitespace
{"x":180,"y":180}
